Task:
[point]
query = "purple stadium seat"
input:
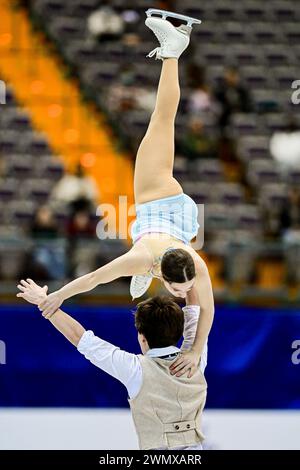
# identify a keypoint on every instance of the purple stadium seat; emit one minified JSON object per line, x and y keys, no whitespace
{"x":207,"y":32}
{"x":8,"y":188}
{"x":9,"y":142}
{"x":256,"y":76}
{"x":294,"y":178}
{"x":245,"y":54}
{"x":245,"y":124}
{"x":21,"y":212}
{"x":275,"y":121}
{"x":50,"y":8}
{"x":248,"y":217}
{"x":200,"y":192}
{"x":208,"y":170}
{"x":224,"y":10}
{"x":234,"y":32}
{"x":38,"y":189}
{"x":212,"y":54}
{"x":284,"y":76}
{"x":273,"y":194}
{"x":254,"y":11}
{"x":291,"y":32}
{"x":82,"y":8}
{"x":65,"y":29}
{"x":99,"y":74}
{"x":284,"y":10}
{"x":265,"y":33}
{"x":276,"y":54}
{"x":15,"y":119}
{"x":35,"y":143}
{"x":253,"y":147}
{"x":218,"y":217}
{"x":51,"y":168}
{"x":261,"y":172}
{"x":19,"y":166}
{"x":228,"y":193}
{"x":79,"y":52}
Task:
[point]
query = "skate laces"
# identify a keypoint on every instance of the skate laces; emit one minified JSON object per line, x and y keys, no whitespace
{"x":156,"y":52}
{"x":162,"y":37}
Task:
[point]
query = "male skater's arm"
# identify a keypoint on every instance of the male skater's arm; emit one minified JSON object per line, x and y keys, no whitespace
{"x":136,"y":261}
{"x":122,"y":365}
{"x":203,"y":289}
{"x":191,"y":318}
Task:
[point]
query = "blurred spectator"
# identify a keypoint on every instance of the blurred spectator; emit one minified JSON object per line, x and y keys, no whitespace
{"x":290,"y":224}
{"x":168,"y":5}
{"x":81,"y":225}
{"x":2,"y":166}
{"x":47,"y":258}
{"x":81,"y":254}
{"x":290,"y":213}
{"x":33,"y":269}
{"x":121,"y":95}
{"x":285,"y":145}
{"x":44,"y":225}
{"x":232,"y":96}
{"x":197,"y":143}
{"x":131,"y":39}
{"x":125,"y":95}
{"x":105,"y":23}
{"x":75,"y":187}
{"x":200,"y":98}
{"x":271,"y":220}
{"x":131,"y":19}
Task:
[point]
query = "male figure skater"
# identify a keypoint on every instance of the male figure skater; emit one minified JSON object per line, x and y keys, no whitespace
{"x":166,"y":408}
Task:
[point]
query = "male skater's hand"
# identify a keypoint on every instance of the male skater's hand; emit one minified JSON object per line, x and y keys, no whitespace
{"x":188,"y":360}
{"x":31,"y":292}
{"x":50,"y":304}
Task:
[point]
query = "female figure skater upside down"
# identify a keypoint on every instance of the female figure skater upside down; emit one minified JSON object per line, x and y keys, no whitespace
{"x":166,"y":217}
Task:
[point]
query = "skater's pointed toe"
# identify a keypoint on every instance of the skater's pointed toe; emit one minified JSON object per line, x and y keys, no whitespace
{"x":153,"y":22}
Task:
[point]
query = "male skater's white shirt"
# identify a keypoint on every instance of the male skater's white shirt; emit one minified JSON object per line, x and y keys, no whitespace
{"x":126,"y":366}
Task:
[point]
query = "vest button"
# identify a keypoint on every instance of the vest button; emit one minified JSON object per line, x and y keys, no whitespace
{"x":188,"y":426}
{"x":177,"y":427}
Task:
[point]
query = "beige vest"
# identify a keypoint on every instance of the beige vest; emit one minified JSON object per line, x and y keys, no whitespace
{"x":167,"y":410}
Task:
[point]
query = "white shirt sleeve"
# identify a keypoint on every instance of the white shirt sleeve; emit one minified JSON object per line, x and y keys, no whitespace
{"x":191,"y":316}
{"x":120,"y":364}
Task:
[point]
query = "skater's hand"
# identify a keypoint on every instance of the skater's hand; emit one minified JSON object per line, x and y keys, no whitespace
{"x":31,"y":292}
{"x":51,"y":304}
{"x":188,"y":360}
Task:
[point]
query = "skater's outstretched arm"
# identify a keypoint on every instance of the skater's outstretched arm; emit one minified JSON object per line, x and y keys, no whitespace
{"x":136,"y":261}
{"x":120,"y":364}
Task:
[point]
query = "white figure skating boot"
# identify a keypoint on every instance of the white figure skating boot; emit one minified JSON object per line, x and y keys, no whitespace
{"x":173,"y":40}
{"x":139,"y":285}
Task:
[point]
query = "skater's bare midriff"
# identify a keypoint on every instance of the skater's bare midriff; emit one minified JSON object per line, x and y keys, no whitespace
{"x":155,"y":245}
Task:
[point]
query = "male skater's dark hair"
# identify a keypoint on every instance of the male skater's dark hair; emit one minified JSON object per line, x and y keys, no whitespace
{"x":160,"y":320}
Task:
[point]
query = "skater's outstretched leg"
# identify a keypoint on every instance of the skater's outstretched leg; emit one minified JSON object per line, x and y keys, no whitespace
{"x":155,"y":158}
{"x":153,"y":178}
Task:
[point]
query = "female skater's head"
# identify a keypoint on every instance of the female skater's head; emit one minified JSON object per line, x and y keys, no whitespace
{"x":159,"y":322}
{"x":178,"y":271}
